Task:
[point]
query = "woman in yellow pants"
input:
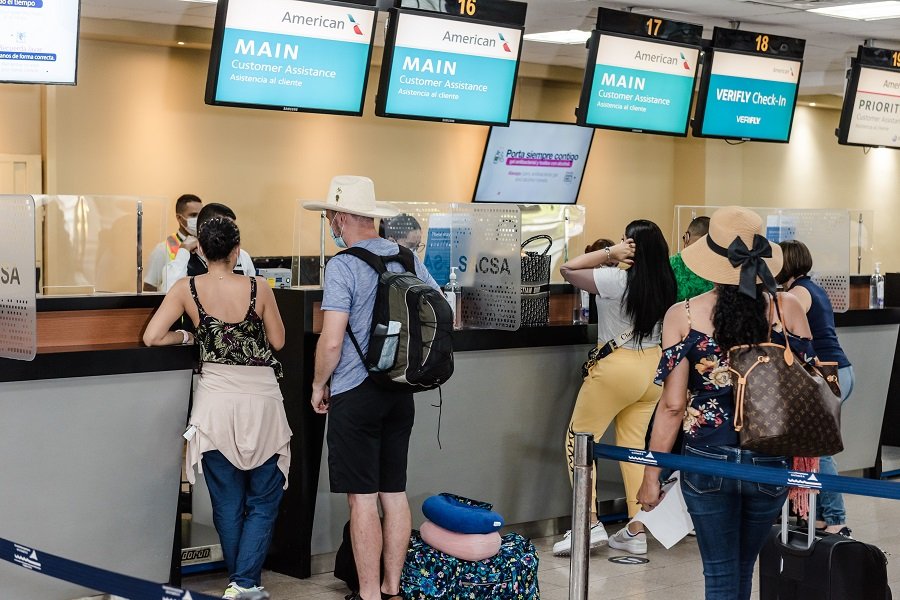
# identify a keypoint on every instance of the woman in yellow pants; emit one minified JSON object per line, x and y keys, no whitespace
{"x":619,"y":384}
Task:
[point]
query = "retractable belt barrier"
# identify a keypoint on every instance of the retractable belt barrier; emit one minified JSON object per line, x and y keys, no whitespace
{"x":92,"y":577}
{"x":746,"y":472}
{"x":585,"y":451}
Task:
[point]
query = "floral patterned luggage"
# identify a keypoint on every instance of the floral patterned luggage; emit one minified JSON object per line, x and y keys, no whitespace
{"x":510,"y":575}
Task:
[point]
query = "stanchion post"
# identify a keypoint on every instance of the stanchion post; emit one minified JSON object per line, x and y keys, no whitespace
{"x":582,"y":483}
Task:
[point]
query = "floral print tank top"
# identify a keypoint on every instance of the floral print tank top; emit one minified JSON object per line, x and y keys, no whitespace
{"x":242,"y":343}
{"x":709,"y":415}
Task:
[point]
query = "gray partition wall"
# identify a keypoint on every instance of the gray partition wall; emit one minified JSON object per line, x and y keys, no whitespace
{"x":503,"y":425}
{"x":91,"y":471}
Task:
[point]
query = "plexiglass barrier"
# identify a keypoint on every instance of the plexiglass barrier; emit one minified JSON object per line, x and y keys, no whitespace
{"x":96,"y":244}
{"x":18,"y":325}
{"x":829,"y":234}
{"x":565,"y":224}
{"x":481,"y":240}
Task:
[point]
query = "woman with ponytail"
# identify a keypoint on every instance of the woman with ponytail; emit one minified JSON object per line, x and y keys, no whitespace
{"x":732,"y":519}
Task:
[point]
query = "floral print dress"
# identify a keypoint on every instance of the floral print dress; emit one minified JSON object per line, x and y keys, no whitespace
{"x":709,"y":415}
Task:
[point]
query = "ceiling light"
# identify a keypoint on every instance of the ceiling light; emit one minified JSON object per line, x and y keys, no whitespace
{"x":871,"y":11}
{"x":180,"y":43}
{"x":813,"y":104}
{"x":572,"y":36}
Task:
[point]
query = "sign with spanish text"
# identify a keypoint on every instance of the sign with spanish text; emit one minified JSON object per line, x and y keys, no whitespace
{"x":875,"y":116}
{"x":39,"y":41}
{"x":447,"y":69}
{"x":291,"y":55}
{"x":641,"y":85}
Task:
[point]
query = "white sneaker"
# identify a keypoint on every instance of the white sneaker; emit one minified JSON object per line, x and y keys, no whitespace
{"x":633,"y":544}
{"x":564,"y":546}
{"x":235,"y":591}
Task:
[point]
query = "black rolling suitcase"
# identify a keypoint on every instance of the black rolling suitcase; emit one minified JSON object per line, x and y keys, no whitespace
{"x":831,"y":567}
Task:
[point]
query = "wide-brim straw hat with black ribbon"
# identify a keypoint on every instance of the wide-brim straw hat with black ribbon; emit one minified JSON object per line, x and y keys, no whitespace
{"x":355,"y":195}
{"x":735,"y":252}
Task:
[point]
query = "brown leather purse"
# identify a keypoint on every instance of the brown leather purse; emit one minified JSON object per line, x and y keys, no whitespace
{"x":784,"y":406}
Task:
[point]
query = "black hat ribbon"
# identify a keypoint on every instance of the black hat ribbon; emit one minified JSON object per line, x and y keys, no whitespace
{"x":751,"y":262}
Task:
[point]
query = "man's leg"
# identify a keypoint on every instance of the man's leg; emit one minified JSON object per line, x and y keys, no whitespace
{"x":395,"y":434}
{"x":365,"y":533}
{"x":395,"y":531}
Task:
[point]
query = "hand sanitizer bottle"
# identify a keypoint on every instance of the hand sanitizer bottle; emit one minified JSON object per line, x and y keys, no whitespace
{"x":453,"y":294}
{"x":876,"y":288}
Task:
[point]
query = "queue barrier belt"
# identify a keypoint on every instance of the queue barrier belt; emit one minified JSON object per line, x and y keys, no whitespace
{"x":91,"y":577}
{"x":757,"y":474}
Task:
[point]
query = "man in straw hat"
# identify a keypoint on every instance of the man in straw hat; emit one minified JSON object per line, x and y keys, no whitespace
{"x":368,"y":427}
{"x":732,"y":520}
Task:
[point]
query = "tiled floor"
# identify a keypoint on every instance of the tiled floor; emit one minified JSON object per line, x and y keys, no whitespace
{"x":674,"y":574}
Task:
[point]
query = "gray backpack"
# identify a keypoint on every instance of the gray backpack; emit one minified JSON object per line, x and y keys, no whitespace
{"x":410,"y":341}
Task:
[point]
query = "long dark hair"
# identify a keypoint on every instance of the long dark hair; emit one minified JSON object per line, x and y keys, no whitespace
{"x":738,"y":318}
{"x":650,"y":289}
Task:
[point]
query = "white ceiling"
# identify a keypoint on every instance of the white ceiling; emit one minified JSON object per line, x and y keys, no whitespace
{"x":829,"y":41}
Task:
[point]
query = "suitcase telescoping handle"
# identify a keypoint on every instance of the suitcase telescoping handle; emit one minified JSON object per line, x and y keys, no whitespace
{"x":810,"y":526}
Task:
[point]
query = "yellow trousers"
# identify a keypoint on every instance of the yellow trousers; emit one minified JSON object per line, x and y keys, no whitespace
{"x":619,"y":386}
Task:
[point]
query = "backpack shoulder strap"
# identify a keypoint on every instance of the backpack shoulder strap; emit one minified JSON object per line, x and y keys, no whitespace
{"x":370,"y":258}
{"x":407,"y":259}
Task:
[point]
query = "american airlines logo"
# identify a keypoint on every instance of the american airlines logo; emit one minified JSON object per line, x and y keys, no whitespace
{"x":505,"y":45}
{"x":353,"y":22}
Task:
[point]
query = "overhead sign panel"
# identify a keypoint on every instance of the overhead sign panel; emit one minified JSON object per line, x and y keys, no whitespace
{"x":871,"y":111}
{"x":448,"y":69}
{"x":292,"y":55}
{"x":749,"y":87}
{"x":640,"y":85}
{"x":39,"y":41}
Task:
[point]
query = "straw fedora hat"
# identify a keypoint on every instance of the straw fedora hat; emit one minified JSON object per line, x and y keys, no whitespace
{"x":712,"y":256}
{"x":354,"y":195}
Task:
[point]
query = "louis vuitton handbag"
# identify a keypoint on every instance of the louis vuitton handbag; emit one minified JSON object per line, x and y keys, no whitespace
{"x":784,"y":406}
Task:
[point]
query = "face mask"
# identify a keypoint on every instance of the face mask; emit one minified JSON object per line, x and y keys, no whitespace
{"x":191,"y":226}
{"x":338,"y":239}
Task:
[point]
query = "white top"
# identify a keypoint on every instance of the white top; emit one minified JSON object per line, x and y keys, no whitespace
{"x":177,"y":268}
{"x":153,"y":274}
{"x":611,"y":317}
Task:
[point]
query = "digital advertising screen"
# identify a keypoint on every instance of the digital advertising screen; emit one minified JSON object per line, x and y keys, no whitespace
{"x":747,"y":97}
{"x":638,"y":85}
{"x":291,"y":55}
{"x":533,"y":162}
{"x":39,"y":41}
{"x":447,"y":69}
{"x":871,"y":114}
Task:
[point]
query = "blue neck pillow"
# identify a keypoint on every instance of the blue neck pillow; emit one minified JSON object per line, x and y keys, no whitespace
{"x":461,"y":515}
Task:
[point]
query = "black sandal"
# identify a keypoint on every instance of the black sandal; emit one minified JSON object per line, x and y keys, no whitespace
{"x":390,"y":596}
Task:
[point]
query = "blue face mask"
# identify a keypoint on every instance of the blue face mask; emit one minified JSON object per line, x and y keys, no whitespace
{"x":338,"y":239}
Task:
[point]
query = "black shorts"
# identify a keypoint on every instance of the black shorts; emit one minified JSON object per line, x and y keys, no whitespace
{"x":368,"y":439}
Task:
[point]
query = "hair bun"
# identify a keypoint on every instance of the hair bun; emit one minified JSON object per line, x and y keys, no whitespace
{"x":218,"y":237}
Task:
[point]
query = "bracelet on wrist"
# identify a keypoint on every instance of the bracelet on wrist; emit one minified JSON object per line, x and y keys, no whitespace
{"x":185,"y":336}
{"x":608,"y":256}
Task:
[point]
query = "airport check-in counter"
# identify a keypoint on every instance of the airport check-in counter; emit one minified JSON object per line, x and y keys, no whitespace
{"x":91,"y":439}
{"x":94,"y":427}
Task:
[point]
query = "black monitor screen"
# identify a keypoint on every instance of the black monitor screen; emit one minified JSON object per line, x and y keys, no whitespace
{"x":292,"y":55}
{"x":440,"y":68}
{"x":39,"y":41}
{"x":532,"y":162}
{"x":747,"y":96}
{"x":871,"y":113}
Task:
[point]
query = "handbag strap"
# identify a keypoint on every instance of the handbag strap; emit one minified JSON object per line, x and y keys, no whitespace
{"x":739,"y":390}
{"x":788,"y":353}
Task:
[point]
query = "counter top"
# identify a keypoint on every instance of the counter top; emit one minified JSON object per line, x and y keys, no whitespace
{"x":96,"y":360}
